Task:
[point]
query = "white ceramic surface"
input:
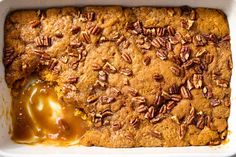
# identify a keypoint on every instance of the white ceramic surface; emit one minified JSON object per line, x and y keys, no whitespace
{"x":8,"y":148}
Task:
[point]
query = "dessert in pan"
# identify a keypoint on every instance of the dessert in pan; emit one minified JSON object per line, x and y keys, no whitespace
{"x":119,"y":77}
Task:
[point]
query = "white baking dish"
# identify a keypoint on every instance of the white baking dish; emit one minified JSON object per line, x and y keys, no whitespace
{"x":9,"y":148}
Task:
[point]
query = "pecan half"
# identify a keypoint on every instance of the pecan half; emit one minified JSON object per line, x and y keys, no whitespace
{"x":156,"y":134}
{"x":147,"y":60}
{"x":157,"y":77}
{"x":162,"y":54}
{"x":185,"y":93}
{"x":126,"y":71}
{"x":126,"y":57}
{"x":135,"y":122}
{"x":142,"y":108}
{"x":176,"y":70}
{"x":197,"y":80}
{"x":182,"y":131}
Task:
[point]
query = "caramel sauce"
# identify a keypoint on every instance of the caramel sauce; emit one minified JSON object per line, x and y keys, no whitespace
{"x":40,"y":117}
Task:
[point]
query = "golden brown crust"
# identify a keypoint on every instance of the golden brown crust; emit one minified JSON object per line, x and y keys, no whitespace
{"x":123,"y":61}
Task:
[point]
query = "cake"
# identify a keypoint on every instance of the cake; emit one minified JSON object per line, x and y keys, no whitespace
{"x":141,"y":77}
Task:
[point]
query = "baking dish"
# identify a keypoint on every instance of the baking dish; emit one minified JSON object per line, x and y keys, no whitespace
{"x":9,"y":148}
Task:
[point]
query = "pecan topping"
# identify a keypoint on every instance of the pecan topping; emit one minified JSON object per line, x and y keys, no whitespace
{"x":189,"y":84}
{"x":114,"y":92}
{"x":120,"y":39}
{"x":91,"y":16}
{"x":138,"y":27}
{"x":142,"y":108}
{"x":155,"y":43}
{"x":200,"y":121}
{"x":96,"y":67}
{"x":85,"y":37}
{"x":158,"y":77}
{"x":101,"y":85}
{"x":43,"y":41}
{"x":109,"y":68}
{"x":193,"y":15}
{"x":175,"y":97}
{"x":92,"y":98}
{"x":147,"y":60}
{"x":215,"y":102}
{"x":191,"y":116}
{"x":230,"y":63}
{"x":185,"y":93}
{"x":35,"y":23}
{"x":58,"y":34}
{"x":135,"y":122}
{"x":158,"y":118}
{"x":207,"y":92}
{"x":126,"y":71}
{"x":116,"y":126}
{"x":150,"y":113}
{"x":162,"y":54}
{"x":170,"y":105}
{"x":126,"y":57}
{"x":222,"y":83}
{"x":173,"y":40}
{"x":75,"y":30}
{"x":53,"y":63}
{"x":72,"y":79}
{"x":158,"y":100}
{"x":102,"y":76}
{"x":226,"y":38}
{"x":106,"y":99}
{"x":156,"y":134}
{"x":9,"y":55}
{"x":132,"y":91}
{"x":107,"y":113}
{"x":95,"y":30}
{"x":174,"y":89}
{"x":83,"y":18}
{"x":139,"y":100}
{"x":185,"y":53}
{"x":187,"y":24}
{"x":199,"y":40}
{"x":182,"y":131}
{"x":176,"y":70}
{"x":163,"y":109}
{"x":171,"y":30}
{"x":160,"y":31}
{"x":165,"y":95}
{"x":201,"y":52}
{"x":197,"y":80}
{"x":161,"y":41}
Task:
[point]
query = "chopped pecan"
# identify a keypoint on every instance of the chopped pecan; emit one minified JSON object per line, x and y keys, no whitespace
{"x":91,"y":16}
{"x":35,"y":23}
{"x":135,"y":122}
{"x":139,"y":100}
{"x":9,"y":55}
{"x":201,"y":52}
{"x":120,"y":39}
{"x":215,"y":102}
{"x":126,"y":71}
{"x":158,"y":100}
{"x":226,"y":38}
{"x":85,"y":37}
{"x":175,"y":119}
{"x":157,"y":77}
{"x":158,"y":118}
{"x":160,"y":31}
{"x":175,"y":97}
{"x":114,"y":92}
{"x":176,"y":70}
{"x":107,"y":113}
{"x":207,"y":92}
{"x":75,"y":30}
{"x":96,"y":67}
{"x":185,"y":53}
{"x":162,"y":54}
{"x":199,"y":40}
{"x":106,"y":99}
{"x":171,"y":30}
{"x":138,"y":27}
{"x":182,"y":131}
{"x":173,"y":40}
{"x":170,"y":105}
{"x":150,"y":113}
{"x":92,"y":98}
{"x":102,"y":76}
{"x":156,"y":134}
{"x":142,"y":108}
{"x":185,"y":93}
{"x":95,"y":30}
{"x":126,"y":57}
{"x":200,"y":121}
{"x":222,"y":83}
{"x":163,"y":109}
{"x":155,"y":43}
{"x":174,"y":89}
{"x":189,"y":84}
{"x":132,"y":91}
{"x":43,"y":41}
{"x":197,"y":80}
{"x":230,"y":63}
{"x":109,"y":68}
{"x":58,"y":34}
{"x":147,"y":60}
{"x":116,"y":126}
